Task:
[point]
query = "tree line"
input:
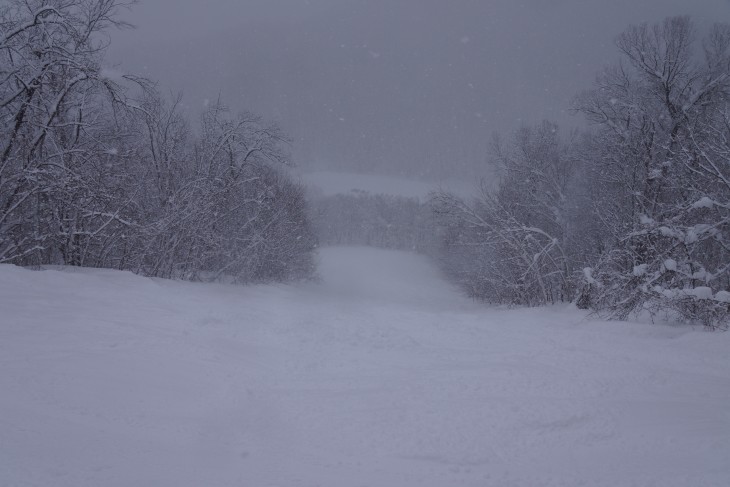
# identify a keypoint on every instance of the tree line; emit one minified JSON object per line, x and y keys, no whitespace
{"x":98,"y":169}
{"x":631,"y":216}
{"x":376,"y":220}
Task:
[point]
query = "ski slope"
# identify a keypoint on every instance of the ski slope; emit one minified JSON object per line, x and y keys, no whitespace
{"x":380,"y":375}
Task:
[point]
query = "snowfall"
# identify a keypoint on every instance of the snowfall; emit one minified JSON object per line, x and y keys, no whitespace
{"x":381,"y":374}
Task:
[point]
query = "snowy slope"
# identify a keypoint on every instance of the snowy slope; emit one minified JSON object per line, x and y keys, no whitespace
{"x":380,"y":375}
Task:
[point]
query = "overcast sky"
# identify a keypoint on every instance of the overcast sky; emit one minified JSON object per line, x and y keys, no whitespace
{"x":415,"y":87}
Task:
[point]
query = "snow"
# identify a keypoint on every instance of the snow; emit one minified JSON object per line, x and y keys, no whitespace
{"x":640,"y":270}
{"x":700,"y":292}
{"x":703,"y":202}
{"x":645,"y":220}
{"x":722,"y":296}
{"x":670,"y":264}
{"x":588,"y":275}
{"x":379,"y":375}
{"x":671,"y":232}
{"x":691,"y":236}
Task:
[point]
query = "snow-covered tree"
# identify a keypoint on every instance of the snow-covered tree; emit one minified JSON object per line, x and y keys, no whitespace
{"x":661,"y":174}
{"x":511,"y":245}
{"x":221,"y":204}
{"x":90,"y":177}
{"x":54,"y":96}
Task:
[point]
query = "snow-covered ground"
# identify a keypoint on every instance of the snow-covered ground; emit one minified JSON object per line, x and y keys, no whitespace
{"x":381,"y":375}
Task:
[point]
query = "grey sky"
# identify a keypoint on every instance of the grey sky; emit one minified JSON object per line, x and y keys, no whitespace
{"x":403,"y":86}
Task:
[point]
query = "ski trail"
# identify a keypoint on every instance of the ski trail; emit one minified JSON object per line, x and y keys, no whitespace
{"x":381,"y":374}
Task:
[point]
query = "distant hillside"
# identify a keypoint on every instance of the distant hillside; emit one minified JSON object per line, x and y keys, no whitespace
{"x":329,"y":183}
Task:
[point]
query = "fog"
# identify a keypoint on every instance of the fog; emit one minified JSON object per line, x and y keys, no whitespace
{"x":413,"y":88}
